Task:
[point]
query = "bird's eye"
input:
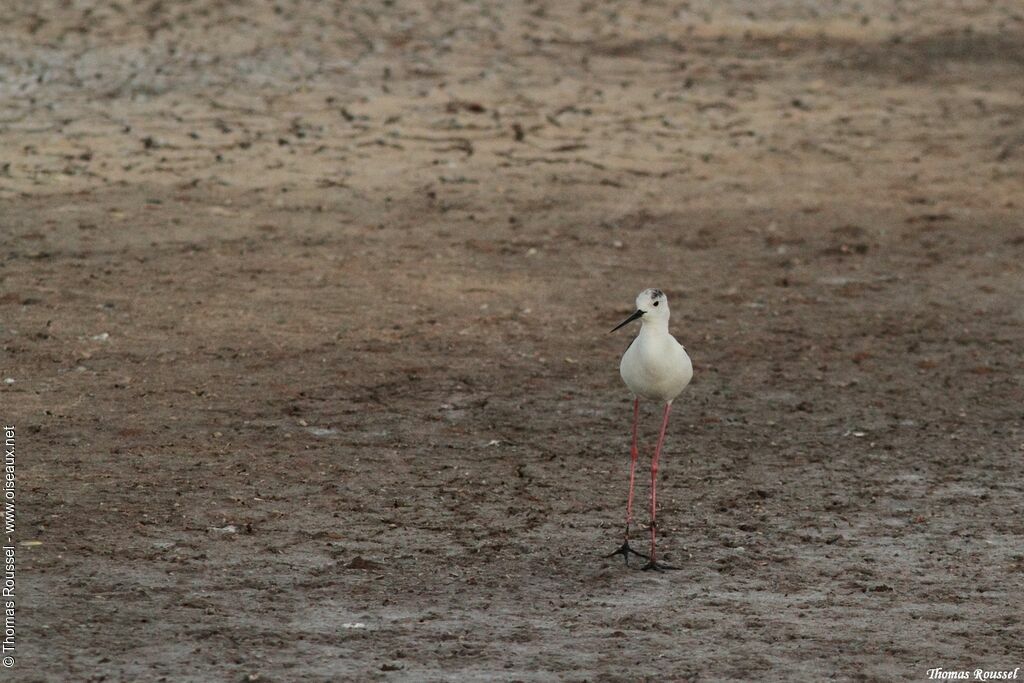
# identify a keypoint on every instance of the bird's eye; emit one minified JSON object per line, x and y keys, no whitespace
{"x":656,"y":303}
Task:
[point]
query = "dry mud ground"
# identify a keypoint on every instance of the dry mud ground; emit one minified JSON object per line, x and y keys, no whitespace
{"x":306,"y":310}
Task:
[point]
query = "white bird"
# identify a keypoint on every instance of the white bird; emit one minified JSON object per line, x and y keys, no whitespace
{"x":655,"y":367}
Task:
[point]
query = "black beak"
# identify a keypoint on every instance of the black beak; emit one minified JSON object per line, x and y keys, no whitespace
{"x":628,"y":320}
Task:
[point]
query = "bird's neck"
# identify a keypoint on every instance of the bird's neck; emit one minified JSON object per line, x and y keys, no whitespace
{"x":654,"y":326}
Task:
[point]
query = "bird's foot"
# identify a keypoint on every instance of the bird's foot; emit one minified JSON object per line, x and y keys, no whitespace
{"x":657,"y":566}
{"x":626,"y":550}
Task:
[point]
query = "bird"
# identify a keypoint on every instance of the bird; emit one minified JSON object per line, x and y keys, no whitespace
{"x":655,"y":367}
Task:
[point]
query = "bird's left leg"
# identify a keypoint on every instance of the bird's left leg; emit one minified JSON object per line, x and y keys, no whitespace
{"x":625,"y":549}
{"x":652,"y":562}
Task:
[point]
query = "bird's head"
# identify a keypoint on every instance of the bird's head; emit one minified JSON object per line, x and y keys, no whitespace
{"x":651,"y":305}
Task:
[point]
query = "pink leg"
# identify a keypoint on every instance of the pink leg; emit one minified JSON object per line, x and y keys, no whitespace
{"x":625,"y":550}
{"x":634,"y":455}
{"x":654,"y":483}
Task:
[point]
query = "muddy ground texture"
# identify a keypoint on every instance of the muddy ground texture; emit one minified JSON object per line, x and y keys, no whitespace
{"x":304,"y":330}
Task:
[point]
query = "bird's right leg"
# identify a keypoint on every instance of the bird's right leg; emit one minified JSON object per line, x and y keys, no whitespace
{"x":634,"y":454}
{"x":652,"y":562}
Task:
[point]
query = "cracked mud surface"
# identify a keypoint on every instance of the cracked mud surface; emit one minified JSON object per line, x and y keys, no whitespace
{"x":306,"y":311}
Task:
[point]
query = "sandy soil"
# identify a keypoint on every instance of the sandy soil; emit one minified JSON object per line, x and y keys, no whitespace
{"x":306,"y":313}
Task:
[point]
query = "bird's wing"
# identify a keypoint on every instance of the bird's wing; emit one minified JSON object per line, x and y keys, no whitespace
{"x":630,"y":345}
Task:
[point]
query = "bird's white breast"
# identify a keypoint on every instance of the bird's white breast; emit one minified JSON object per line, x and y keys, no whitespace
{"x":656,"y":366}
